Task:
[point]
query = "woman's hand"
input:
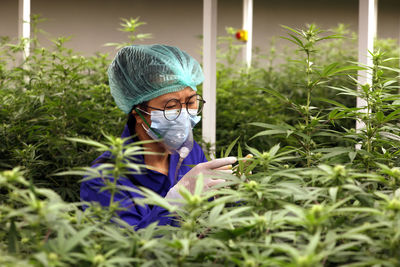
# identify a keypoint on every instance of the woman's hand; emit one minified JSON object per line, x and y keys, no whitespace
{"x":208,"y":169}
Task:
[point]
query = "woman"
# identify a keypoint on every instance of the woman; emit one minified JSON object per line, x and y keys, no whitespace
{"x":156,"y":86}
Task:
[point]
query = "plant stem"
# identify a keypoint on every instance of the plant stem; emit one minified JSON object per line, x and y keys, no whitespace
{"x":308,"y":71}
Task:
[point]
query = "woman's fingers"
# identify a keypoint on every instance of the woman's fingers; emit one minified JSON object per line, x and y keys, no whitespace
{"x":217,"y":163}
{"x":212,"y":182}
{"x":226,"y":167}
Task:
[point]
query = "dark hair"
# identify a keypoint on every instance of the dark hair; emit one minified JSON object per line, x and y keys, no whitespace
{"x":131,"y":118}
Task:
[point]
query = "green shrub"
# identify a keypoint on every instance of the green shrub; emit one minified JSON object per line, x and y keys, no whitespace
{"x":279,"y":215}
{"x":242,"y":94}
{"x":57,"y":93}
{"x":52,"y":94}
{"x":305,"y":202}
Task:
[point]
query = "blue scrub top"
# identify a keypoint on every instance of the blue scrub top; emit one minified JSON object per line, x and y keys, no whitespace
{"x":135,"y":215}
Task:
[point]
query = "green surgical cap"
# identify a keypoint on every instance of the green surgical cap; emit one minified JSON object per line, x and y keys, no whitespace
{"x":140,"y":73}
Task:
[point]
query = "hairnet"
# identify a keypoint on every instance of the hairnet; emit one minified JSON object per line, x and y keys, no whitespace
{"x":140,"y":73}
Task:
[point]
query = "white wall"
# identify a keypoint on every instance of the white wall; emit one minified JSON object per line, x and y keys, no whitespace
{"x":179,"y":22}
{"x":9,"y":18}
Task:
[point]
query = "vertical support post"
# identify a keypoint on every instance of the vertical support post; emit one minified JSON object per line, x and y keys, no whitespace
{"x":24,"y":23}
{"x":398,"y":43}
{"x":209,"y":121}
{"x":367,"y":27}
{"x":248,"y":26}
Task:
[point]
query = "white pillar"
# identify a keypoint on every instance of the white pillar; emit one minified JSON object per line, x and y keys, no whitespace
{"x":24,"y":23}
{"x":210,"y":71}
{"x":248,"y":26}
{"x":398,"y":43}
{"x":367,"y":27}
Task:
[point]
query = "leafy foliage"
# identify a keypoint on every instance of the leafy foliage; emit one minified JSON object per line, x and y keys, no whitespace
{"x":52,"y":94}
{"x":281,"y":216}
{"x":278,"y":85}
{"x":130,"y":26}
{"x":315,"y":192}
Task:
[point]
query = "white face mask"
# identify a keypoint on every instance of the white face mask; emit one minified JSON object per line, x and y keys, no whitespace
{"x":174,"y":133}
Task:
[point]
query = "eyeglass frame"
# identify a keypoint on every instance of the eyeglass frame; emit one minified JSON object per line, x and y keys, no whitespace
{"x":180,"y":103}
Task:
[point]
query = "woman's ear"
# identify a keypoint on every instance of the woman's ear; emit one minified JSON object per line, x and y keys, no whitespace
{"x":138,"y":119}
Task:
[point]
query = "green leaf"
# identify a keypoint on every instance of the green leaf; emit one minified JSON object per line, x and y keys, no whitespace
{"x":356,"y":210}
{"x":230,"y":147}
{"x":380,"y":116}
{"x":313,"y":243}
{"x":231,"y":234}
{"x":352,"y":155}
{"x":276,"y":94}
{"x":334,"y":71}
{"x":333,"y":193}
{"x":333,"y":152}
{"x":331,"y":101}
{"x":296,"y":42}
{"x":291,"y":29}
{"x":199,"y":185}
{"x":215,"y":213}
{"x":227,"y":217}
{"x":253,"y":151}
{"x":334,"y":36}
{"x":240,"y":155}
{"x":328,"y":69}
{"x":77,"y":238}
{"x":295,"y":39}
{"x":12,"y":238}
{"x":270,"y":132}
{"x":100,"y":146}
{"x":392,"y":116}
{"x":185,"y":193}
{"x":274,"y":150}
{"x":153,"y":198}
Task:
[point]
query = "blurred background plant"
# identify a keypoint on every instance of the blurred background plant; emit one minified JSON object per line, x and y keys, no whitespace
{"x":244,"y":95}
{"x":130,"y":26}
{"x":56,"y":93}
{"x":281,"y":216}
{"x":313,"y":200}
{"x":52,"y":94}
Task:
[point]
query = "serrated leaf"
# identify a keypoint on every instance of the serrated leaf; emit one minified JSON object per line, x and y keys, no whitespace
{"x":380,"y":116}
{"x":333,"y":102}
{"x":12,"y":238}
{"x":269,"y":132}
{"x":276,"y":94}
{"x":392,"y":116}
{"x":333,"y":193}
{"x":215,"y":212}
{"x":199,"y":185}
{"x":274,"y":150}
{"x":70,"y":243}
{"x":352,"y":155}
{"x":230,"y":147}
{"x":89,"y":142}
{"x":226,"y":217}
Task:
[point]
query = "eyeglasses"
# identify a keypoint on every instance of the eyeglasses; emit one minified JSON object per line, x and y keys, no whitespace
{"x":172,"y":109}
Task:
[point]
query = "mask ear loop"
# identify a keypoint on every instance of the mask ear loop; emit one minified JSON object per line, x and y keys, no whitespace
{"x":145,"y":121}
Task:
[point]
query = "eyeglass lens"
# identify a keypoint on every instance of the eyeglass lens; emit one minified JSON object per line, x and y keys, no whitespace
{"x":194,"y":106}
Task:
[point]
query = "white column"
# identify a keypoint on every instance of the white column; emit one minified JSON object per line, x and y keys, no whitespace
{"x":398,"y":43}
{"x":367,"y":27}
{"x":210,"y":71}
{"x":248,"y":26}
{"x":24,"y":23}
